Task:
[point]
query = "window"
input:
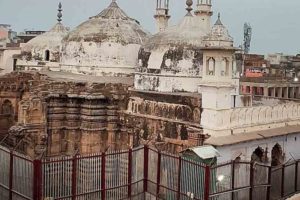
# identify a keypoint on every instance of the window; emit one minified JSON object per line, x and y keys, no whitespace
{"x":47,"y":55}
{"x":224,"y":67}
{"x":210,"y":63}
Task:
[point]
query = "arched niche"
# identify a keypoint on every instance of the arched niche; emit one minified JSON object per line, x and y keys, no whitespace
{"x":277,"y":155}
{"x":7,"y":108}
{"x":258,"y":155}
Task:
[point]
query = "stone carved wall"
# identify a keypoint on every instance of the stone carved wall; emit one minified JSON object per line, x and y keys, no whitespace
{"x":168,"y":122}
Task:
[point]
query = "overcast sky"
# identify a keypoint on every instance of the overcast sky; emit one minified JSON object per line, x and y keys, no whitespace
{"x":275,"y":23}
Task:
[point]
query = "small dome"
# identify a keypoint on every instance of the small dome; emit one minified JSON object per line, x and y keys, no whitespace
{"x":172,"y":60}
{"x":50,"y":41}
{"x":186,"y":33}
{"x":219,"y":36}
{"x":113,"y":25}
{"x":47,"y":46}
{"x":105,"y":45}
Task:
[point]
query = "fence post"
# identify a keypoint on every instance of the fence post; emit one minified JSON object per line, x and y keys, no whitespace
{"x":103,"y":176}
{"x":269,"y":183}
{"x":74,"y":177}
{"x":37,"y":180}
{"x":207,"y":183}
{"x":146,"y":163}
{"x":158,"y":173}
{"x":232,"y":177}
{"x":296,"y":176}
{"x":11,"y":169}
{"x":129,"y":172}
{"x":179,"y":178}
{"x":282,"y":180}
{"x":251,"y":181}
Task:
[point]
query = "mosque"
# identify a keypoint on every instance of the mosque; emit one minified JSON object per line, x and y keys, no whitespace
{"x":110,"y":84}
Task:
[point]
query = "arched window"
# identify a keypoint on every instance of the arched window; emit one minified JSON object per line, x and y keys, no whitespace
{"x":47,"y":55}
{"x":210,"y":66}
{"x":258,"y":155}
{"x":277,"y":155}
{"x":7,"y":108}
{"x":224,"y":67}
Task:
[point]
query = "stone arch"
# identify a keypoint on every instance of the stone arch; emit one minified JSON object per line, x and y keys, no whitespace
{"x":165,"y":112}
{"x":258,"y":155}
{"x":187,"y":113}
{"x":274,"y":113}
{"x":234,"y":118}
{"x":179,"y":112}
{"x":7,"y":107}
{"x":171,"y":112}
{"x":295,"y":111}
{"x":284,"y":113}
{"x":269,"y":114}
{"x":277,"y":155}
{"x":289,"y":111}
{"x":248,"y":116}
{"x":242,"y":117}
{"x":196,"y":115}
{"x":262,"y":115}
{"x":143,"y":108}
{"x":147,"y":108}
{"x":280,"y":112}
{"x":298,"y":109}
{"x":210,"y":66}
{"x":255,"y":115}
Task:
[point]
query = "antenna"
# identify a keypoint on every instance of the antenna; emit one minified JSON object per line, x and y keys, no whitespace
{"x":247,"y":37}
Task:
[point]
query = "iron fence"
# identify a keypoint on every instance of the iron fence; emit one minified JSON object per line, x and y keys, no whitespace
{"x":141,"y":173}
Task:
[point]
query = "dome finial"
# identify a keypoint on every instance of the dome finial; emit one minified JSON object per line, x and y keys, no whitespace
{"x":219,"y":22}
{"x":189,"y":3}
{"x":59,"y":14}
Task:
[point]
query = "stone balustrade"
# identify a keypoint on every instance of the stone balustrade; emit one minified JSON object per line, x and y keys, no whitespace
{"x":249,"y":119}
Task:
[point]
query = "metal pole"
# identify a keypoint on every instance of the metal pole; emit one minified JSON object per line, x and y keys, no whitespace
{"x":146,"y":163}
{"x":269,"y":183}
{"x":11,"y":167}
{"x":129,"y":172}
{"x":296,"y":176}
{"x":232,"y":177}
{"x":103,"y":177}
{"x":207,"y":183}
{"x":158,"y":173}
{"x":251,"y":181}
{"x":282,"y":181}
{"x":37,"y":180}
{"x":179,"y":178}
{"x":74,"y":177}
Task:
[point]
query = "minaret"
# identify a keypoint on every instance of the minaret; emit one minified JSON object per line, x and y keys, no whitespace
{"x":204,"y":13}
{"x":162,"y":14}
{"x":59,"y":14}
{"x":218,"y":85}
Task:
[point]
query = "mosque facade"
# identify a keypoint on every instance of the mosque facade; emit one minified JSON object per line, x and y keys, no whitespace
{"x":110,"y":84}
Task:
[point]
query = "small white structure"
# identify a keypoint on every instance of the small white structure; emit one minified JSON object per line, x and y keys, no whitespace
{"x":162,"y":15}
{"x":44,"y":51}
